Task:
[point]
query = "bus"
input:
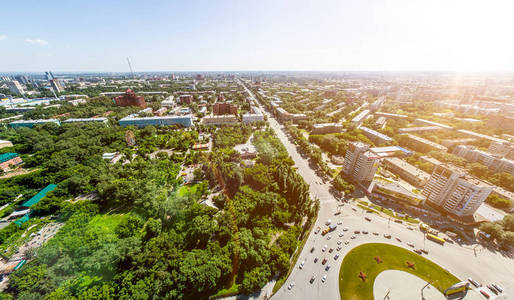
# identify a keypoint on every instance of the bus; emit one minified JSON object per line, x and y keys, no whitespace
{"x":434,"y":238}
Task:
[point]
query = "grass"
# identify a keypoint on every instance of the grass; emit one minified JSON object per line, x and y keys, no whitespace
{"x":232,"y":290}
{"x":392,"y":214}
{"x":187,"y":189}
{"x":361,"y":259}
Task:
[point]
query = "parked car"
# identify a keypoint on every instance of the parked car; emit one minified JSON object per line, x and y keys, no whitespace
{"x":364,"y":232}
{"x":352,"y":237}
{"x":336,"y":257}
{"x":387,"y":236}
{"x":328,"y":222}
{"x":338,"y":248}
{"x":398,"y":239}
{"x":346,"y":229}
{"x":367,"y":219}
{"x":324,"y":261}
{"x":376,"y":233}
{"x":312,"y":279}
{"x":339,"y":242}
{"x":315,"y":260}
{"x":330,"y":250}
{"x":327,"y":267}
{"x":497,"y":287}
{"x":329,"y":237}
{"x":410,"y":244}
{"x":418,"y":251}
{"x":312,"y":249}
{"x":341,"y":234}
{"x":473,"y":282}
{"x":340,"y":222}
{"x":485,"y":294}
{"x":301,"y":264}
{"x":495,"y":291}
{"x":424,"y":251}
{"x":356,"y":231}
{"x":324,"y":278}
{"x":291,"y":285}
{"x":317,"y":230}
{"x":346,"y":242}
{"x":324,"y":248}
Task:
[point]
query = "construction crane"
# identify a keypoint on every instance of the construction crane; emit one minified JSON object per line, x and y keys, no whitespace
{"x":130,"y":66}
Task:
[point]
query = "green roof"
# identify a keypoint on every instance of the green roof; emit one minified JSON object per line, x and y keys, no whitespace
{"x":22,"y":220}
{"x":7,"y":156}
{"x":39,"y":195}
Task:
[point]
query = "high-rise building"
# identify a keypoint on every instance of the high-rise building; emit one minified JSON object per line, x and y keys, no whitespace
{"x":222,"y":108}
{"x":49,"y":75}
{"x":56,"y":85}
{"x":15,"y":87}
{"x":22,"y":79}
{"x":130,"y":99}
{"x":359,"y":162}
{"x":455,"y":191}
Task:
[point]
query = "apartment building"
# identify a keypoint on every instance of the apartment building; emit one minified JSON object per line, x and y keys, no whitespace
{"x":360,"y":163}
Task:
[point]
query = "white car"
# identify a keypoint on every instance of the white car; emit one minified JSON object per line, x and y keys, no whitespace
{"x":341,"y":234}
{"x":324,"y":278}
{"x":347,"y":242}
{"x":301,"y":264}
{"x":353,"y":237}
{"x":329,"y":237}
{"x":339,"y":242}
{"x":324,"y":248}
{"x":410,"y":228}
{"x":291,"y":285}
{"x":376,"y":233}
{"x":328,"y":222}
{"x":346,"y":229}
{"x":410,"y":244}
{"x":338,"y":248}
{"x":340,"y":222}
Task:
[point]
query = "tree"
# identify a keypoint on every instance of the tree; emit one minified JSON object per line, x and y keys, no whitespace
{"x":494,"y":229}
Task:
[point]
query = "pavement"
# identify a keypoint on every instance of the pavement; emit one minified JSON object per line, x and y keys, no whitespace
{"x":390,"y":284}
{"x":479,"y":263}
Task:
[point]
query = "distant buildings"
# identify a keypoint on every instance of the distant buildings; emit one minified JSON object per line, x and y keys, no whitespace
{"x":185,"y":121}
{"x":495,"y":162}
{"x":224,"y":108}
{"x":480,"y":136}
{"x":432,"y":123}
{"x":15,"y":87}
{"x":283,"y":115}
{"x":161,"y":111}
{"x":391,"y":116}
{"x":422,"y":145}
{"x":450,"y":143}
{"x":377,"y":104}
{"x":9,"y":160}
{"x":130,"y":99}
{"x":32,"y":123}
{"x":220,"y":120}
{"x":505,"y":149}
{"x":375,"y":136}
{"x":501,"y":122}
{"x":185,"y":99}
{"x":419,"y":129}
{"x":390,"y":151}
{"x":325,"y":128}
{"x":361,"y":116}
{"x":359,"y":163}
{"x":453,"y":190}
{"x":408,"y":172}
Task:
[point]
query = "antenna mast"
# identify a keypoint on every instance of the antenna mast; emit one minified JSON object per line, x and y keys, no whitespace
{"x":130,"y":66}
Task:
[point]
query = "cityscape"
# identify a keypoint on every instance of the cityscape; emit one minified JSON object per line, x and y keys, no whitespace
{"x":258,"y":175}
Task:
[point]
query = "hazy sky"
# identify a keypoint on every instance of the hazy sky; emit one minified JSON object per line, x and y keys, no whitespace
{"x":94,"y":35}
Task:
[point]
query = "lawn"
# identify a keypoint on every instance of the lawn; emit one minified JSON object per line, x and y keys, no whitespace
{"x":362,"y":259}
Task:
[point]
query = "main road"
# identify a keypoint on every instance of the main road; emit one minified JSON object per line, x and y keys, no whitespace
{"x":482,"y":265}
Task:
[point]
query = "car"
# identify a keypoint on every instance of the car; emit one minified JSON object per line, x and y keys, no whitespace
{"x":346,"y":242}
{"x":324,"y":248}
{"x":424,"y":251}
{"x":364,"y":232}
{"x":329,"y":237}
{"x":315,"y":260}
{"x":330,"y":250}
{"x":473,"y":282}
{"x":337,"y":213}
{"x":291,"y":285}
{"x":495,"y":291}
{"x":387,"y":236}
{"x":367,"y":219}
{"x":312,"y":249}
{"x":338,"y":248}
{"x":410,"y":228}
{"x":336,"y":257}
{"x":418,"y":251}
{"x":356,"y":231}
{"x":312,"y":279}
{"x":354,"y":209}
{"x":346,"y":229}
{"x":324,"y":278}
{"x":340,"y":222}
{"x":398,"y":221}
{"x":410,"y":244}
{"x":339,"y":242}
{"x":485,"y":294}
{"x":497,"y":287}
{"x":398,"y":239}
{"x":327,"y":267}
{"x":328,"y":222}
{"x":352,"y":237}
{"x":324,"y":261}
{"x":301,"y":264}
{"x":376,"y":233}
{"x":317,"y":230}
{"x":341,"y":234}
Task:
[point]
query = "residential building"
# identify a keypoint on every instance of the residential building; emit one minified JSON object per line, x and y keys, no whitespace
{"x":505,"y":149}
{"x":406,"y":171}
{"x":361,"y":116}
{"x":375,"y":136}
{"x":422,"y":145}
{"x":495,"y":162}
{"x":185,"y":99}
{"x":391,"y":116}
{"x":168,"y":102}
{"x":419,"y":129}
{"x":359,"y":162}
{"x":377,"y":104}
{"x":130,"y":99}
{"x":220,"y":120}
{"x":5,"y":143}
{"x":283,"y":115}
{"x":325,"y":128}
{"x":480,"y":136}
{"x":453,"y":142}
{"x":32,"y":123}
{"x":501,"y":122}
{"x":390,"y":151}
{"x":131,"y":120}
{"x":224,"y":108}
{"x":431,"y":123}
{"x":451,"y":189}
{"x":255,"y":115}
{"x":56,"y":85}
{"x":9,"y":160}
{"x":161,"y":111}
{"x":15,"y":87}
{"x":87,"y":120}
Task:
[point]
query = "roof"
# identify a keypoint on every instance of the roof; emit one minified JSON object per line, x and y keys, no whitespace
{"x":39,"y":195}
{"x":7,"y":156}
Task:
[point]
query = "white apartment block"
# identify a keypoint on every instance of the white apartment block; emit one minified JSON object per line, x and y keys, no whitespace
{"x":360,"y":163}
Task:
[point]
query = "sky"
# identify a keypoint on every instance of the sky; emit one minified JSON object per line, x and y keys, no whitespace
{"x":237,"y":35}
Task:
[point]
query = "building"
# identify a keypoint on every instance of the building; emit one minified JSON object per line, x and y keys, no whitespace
{"x":422,"y":145}
{"x":220,"y":120}
{"x":505,"y":149}
{"x":391,"y":116}
{"x":501,"y":122}
{"x":255,"y":115}
{"x":390,"y":151}
{"x":15,"y":87}
{"x":185,"y":99}
{"x":87,"y":120}
{"x":385,"y":191}
{"x":9,"y":160}
{"x":432,"y":123}
{"x":377,"y":104}
{"x":56,"y":85}
{"x":480,"y":136}
{"x":326,"y":128}
{"x":39,"y":196}
{"x":161,"y":111}
{"x":419,"y":129}
{"x":406,"y":171}
{"x":224,"y":108}
{"x":5,"y":143}
{"x":32,"y":123}
{"x":130,"y":99}
{"x":381,"y":121}
{"x":131,"y":120}
{"x":168,"y":102}
{"x":451,"y":189}
{"x":452,"y":142}
{"x":375,"y":136}
{"x":284,"y":115}
{"x":361,"y":116}
{"x":495,"y":162}
{"x":359,"y":163}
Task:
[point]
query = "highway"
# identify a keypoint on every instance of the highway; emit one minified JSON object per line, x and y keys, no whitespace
{"x":486,"y":267}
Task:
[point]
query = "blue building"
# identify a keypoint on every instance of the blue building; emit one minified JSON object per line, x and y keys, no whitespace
{"x":185,"y":121}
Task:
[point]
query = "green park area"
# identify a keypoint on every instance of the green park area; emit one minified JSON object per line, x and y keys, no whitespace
{"x":362,"y":265}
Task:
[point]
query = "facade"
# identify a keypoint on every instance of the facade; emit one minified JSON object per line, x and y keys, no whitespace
{"x":8,"y":160}
{"x":283,"y":115}
{"x":423,"y":145}
{"x":87,"y":120}
{"x":360,"y":163}
{"x":185,"y":121}
{"x":375,"y":136}
{"x":453,"y":190}
{"x":220,"y":120}
{"x":130,"y":99}
{"x":326,"y":128}
{"x":224,"y":108}
{"x":408,"y":172}
{"x":15,"y":87}
{"x":32,"y":123}
{"x":391,"y":116}
{"x":185,"y":99}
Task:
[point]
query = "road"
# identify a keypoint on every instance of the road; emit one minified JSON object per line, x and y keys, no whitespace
{"x":486,"y":267}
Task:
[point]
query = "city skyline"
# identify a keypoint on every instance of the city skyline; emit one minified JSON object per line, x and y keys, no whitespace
{"x":264,"y":36}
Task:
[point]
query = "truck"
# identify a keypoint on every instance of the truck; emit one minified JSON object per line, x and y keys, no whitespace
{"x":330,"y":228}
